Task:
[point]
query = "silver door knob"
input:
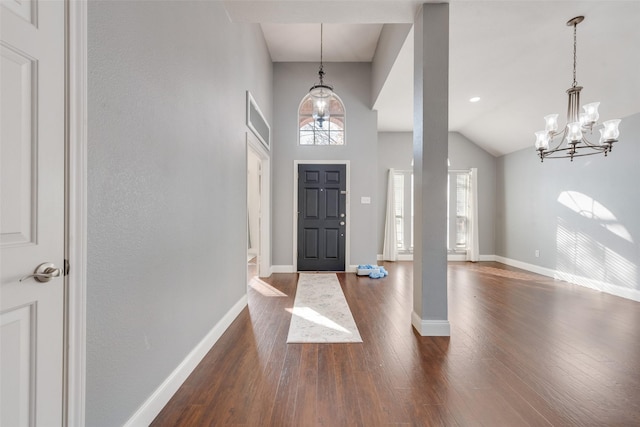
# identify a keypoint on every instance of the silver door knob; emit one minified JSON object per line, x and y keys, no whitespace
{"x":44,"y":272}
{"x":341,"y":222}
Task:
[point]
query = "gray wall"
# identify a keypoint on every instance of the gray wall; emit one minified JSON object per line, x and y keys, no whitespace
{"x":392,"y":37}
{"x":167,"y":188}
{"x":352,"y":83}
{"x":395,"y":150}
{"x":581,"y":216}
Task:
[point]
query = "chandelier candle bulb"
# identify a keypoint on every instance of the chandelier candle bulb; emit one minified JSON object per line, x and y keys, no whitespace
{"x":610,"y":132}
{"x":551,"y":122}
{"x":574,"y":133}
{"x":542,"y":140}
{"x":591,"y":112}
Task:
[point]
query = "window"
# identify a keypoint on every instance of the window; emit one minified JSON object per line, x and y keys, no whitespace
{"x":403,"y":208}
{"x":330,"y":132}
{"x":458,"y":202}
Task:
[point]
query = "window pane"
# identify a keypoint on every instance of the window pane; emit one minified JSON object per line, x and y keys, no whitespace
{"x":336,"y":107}
{"x":398,"y":207}
{"x":462,"y":194}
{"x":323,"y":128}
{"x":322,"y":137}
{"x":337,"y":138}
{"x":306,"y":123}
{"x":461,"y":232}
{"x":306,"y":108}
{"x":336,"y":123}
{"x":306,"y":138}
{"x":458,"y":223}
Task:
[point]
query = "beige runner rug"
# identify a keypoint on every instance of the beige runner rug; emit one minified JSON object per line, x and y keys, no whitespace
{"x":320,"y":312}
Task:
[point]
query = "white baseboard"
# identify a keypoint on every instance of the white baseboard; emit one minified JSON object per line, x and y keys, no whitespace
{"x":526,"y":266}
{"x":450,"y":257}
{"x":154,"y":404}
{"x":401,"y":257}
{"x":430,"y":328}
{"x":282,"y":269}
{"x":609,"y":288}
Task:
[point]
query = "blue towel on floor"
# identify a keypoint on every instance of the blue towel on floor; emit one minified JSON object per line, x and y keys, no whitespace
{"x":377,"y":271}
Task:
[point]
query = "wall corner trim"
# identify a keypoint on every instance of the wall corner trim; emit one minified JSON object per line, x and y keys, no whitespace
{"x":159,"y":398}
{"x":430,"y":328}
{"x":282,"y":269}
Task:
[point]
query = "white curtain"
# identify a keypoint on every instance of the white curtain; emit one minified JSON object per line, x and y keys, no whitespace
{"x":390,"y":248}
{"x":473,"y":250}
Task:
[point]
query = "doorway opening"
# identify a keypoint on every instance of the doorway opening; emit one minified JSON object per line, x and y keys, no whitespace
{"x":258,"y":193}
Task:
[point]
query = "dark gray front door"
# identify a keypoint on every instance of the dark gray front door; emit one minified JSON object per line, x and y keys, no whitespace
{"x":322,"y":218}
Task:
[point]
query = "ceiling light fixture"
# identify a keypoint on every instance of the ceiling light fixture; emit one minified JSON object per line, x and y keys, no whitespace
{"x":474,"y":99}
{"x":321,"y":93}
{"x":576,"y":145}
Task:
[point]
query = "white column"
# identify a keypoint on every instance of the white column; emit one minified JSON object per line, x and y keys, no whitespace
{"x":430,"y":151}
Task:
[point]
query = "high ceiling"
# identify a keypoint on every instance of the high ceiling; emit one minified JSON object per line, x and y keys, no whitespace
{"x":515,"y":55}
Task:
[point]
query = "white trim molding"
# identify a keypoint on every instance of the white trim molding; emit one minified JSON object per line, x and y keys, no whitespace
{"x":76,"y":199}
{"x":598,"y":285}
{"x":401,"y":257}
{"x":430,"y":328}
{"x":264,"y":258}
{"x":450,"y":257}
{"x":282,"y":269}
{"x":456,"y":257}
{"x":161,"y":396}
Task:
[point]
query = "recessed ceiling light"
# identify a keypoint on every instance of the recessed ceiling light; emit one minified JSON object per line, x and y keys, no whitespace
{"x":474,"y":99}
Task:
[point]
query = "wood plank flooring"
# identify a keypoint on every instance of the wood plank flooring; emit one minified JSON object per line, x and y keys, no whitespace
{"x":524,"y":350}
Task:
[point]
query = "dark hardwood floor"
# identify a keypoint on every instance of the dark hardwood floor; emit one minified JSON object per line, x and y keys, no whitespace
{"x":524,"y":350}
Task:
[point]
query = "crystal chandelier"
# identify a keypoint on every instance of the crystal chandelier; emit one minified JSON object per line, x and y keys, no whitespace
{"x":321,"y":93}
{"x":572,"y":141}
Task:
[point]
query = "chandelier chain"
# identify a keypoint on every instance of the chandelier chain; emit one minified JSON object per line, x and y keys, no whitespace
{"x":321,"y":71}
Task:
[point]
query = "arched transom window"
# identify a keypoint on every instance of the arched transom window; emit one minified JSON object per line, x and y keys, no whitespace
{"x":327,"y":132}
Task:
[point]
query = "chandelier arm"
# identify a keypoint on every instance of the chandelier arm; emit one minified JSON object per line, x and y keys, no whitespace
{"x":559,"y":154}
{"x":587,"y":143}
{"x":554,"y":135}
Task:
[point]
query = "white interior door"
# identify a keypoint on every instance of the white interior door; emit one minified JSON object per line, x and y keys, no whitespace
{"x":32,"y":122}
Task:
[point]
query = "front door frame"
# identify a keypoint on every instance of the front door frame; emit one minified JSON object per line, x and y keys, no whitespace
{"x":76,"y":214}
{"x":347,"y":243}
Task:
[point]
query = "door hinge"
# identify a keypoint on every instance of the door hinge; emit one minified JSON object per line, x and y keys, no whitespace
{"x":66,"y":268}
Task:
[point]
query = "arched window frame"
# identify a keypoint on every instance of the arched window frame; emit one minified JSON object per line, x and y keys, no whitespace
{"x":331,"y":133}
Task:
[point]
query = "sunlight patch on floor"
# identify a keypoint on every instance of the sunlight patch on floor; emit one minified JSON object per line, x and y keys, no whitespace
{"x":313,"y":316}
{"x":264,"y":288}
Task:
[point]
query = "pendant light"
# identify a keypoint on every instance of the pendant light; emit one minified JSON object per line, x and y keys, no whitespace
{"x":321,"y":93}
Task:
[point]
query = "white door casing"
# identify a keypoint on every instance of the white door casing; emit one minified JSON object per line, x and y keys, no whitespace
{"x":258,"y":149}
{"x":32,"y":119}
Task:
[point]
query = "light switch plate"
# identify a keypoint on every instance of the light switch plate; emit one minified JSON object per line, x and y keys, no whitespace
{"x":365,"y":200}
